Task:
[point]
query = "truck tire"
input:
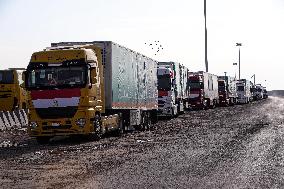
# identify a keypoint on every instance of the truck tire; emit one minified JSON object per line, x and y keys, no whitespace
{"x":213,"y":104}
{"x":121,"y":128}
{"x":15,"y":104}
{"x":204,"y":105}
{"x":148,"y":121}
{"x":24,"y":106}
{"x":207,"y":104}
{"x":97,"y":134}
{"x":172,"y":114}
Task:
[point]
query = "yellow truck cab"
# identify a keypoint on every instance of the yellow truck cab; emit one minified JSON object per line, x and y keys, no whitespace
{"x":12,"y":94}
{"x":65,"y":92}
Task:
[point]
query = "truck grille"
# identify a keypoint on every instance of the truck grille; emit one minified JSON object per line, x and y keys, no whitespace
{"x":56,"y":112}
{"x":5,"y":95}
{"x":161,"y":102}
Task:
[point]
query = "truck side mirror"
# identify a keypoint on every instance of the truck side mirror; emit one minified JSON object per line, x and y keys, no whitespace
{"x":24,"y":79}
{"x":91,"y":77}
{"x":24,"y":75}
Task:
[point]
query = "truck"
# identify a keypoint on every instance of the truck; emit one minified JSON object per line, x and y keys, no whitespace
{"x":203,"y":90}
{"x":12,"y":93}
{"x":88,"y":89}
{"x":244,"y":91}
{"x":265,"y":95}
{"x":170,"y":99}
{"x":258,"y":92}
{"x":227,"y":90}
{"x":185,"y":88}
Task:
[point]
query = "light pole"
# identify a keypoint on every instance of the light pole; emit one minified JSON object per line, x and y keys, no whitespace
{"x":253,"y":78}
{"x":235,"y":64}
{"x":206,"y":60}
{"x":239,"y":45}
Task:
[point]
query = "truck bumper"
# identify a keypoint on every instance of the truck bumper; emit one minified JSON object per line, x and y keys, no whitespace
{"x":242,"y":100}
{"x":167,"y":111}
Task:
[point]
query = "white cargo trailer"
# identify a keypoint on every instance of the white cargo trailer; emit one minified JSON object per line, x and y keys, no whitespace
{"x":130,"y":82}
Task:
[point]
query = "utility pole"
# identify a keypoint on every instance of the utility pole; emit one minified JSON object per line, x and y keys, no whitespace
{"x":206,"y":60}
{"x":253,"y":78}
{"x":239,"y":45}
{"x":235,"y":64}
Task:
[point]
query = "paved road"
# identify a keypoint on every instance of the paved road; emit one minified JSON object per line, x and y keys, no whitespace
{"x":227,"y":147}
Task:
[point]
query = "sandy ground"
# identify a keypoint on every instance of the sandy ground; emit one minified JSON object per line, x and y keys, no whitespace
{"x":227,"y":147}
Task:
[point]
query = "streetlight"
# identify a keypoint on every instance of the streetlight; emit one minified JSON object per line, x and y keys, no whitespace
{"x":239,"y":45}
{"x":235,"y":64}
{"x":253,"y":78}
{"x":206,"y":60}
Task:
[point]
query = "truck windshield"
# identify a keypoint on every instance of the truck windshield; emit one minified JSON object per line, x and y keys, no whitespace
{"x":6,"y":77}
{"x":164,"y":82}
{"x":221,"y":85}
{"x":240,"y":88}
{"x":196,"y":85}
{"x":73,"y":76}
{"x":259,"y":90}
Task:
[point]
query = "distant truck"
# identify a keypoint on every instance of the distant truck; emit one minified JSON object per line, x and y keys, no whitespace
{"x":227,"y":87}
{"x":244,"y":91}
{"x":172,"y":92}
{"x":203,"y":90}
{"x":12,"y":94}
{"x":265,"y":95}
{"x":185,"y":88}
{"x":89,"y":88}
{"x":258,"y":92}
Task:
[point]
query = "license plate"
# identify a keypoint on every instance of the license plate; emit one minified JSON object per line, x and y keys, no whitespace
{"x":55,"y":124}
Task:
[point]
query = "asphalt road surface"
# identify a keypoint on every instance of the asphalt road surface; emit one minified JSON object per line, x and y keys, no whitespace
{"x":227,"y":147}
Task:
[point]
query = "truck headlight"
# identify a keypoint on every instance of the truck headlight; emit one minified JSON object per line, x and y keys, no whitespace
{"x":33,"y":124}
{"x":81,"y":122}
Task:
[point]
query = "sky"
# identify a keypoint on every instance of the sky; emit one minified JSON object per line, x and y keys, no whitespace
{"x":27,"y":26}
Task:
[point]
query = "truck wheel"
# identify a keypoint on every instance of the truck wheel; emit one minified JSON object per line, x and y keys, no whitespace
{"x":149,"y":122}
{"x":150,"y":125}
{"x":207,"y":104}
{"x":213,"y":104}
{"x":15,"y":105}
{"x":97,"y":135}
{"x":121,"y":128}
{"x":204,"y":105}
{"x":43,"y":139}
{"x":172,"y":114}
{"x":24,"y":106}
{"x":146,"y":121}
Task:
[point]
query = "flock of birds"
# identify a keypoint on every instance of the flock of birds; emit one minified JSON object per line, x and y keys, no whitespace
{"x":156,"y":47}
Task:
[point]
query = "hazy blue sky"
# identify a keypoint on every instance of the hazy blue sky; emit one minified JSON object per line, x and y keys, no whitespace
{"x":31,"y":25}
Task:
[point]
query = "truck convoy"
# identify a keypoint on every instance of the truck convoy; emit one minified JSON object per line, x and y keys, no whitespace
{"x":89,"y":88}
{"x":244,"y":91}
{"x":12,"y":94}
{"x":172,"y":90}
{"x":203,"y":90}
{"x":227,"y":87}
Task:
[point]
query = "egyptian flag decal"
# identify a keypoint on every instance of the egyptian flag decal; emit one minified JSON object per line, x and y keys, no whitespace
{"x":56,"y":98}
